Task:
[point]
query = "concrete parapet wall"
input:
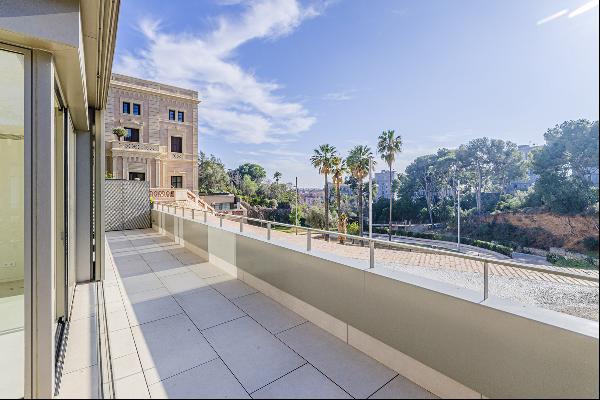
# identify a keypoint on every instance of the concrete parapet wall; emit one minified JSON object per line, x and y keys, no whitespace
{"x":440,"y":336}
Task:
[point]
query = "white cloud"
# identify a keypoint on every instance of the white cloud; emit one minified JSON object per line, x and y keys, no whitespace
{"x":340,"y":96}
{"x":553,"y":16}
{"x":235,"y":103}
{"x":590,"y":5}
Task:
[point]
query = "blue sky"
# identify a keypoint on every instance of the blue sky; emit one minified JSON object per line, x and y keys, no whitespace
{"x":278,"y":78}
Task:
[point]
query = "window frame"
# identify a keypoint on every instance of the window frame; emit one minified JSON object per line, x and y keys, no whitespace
{"x":180,"y":139}
{"x":129,"y":132}
{"x":139,"y":109}
{"x":178,"y":180}
{"x":174,"y":114}
{"x":180,"y":116}
{"x":128,"y":107}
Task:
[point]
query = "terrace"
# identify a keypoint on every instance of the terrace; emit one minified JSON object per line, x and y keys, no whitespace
{"x":203,"y":306}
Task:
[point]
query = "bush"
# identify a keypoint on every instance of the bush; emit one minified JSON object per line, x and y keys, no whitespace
{"x":119,"y":132}
{"x":315,"y":218}
{"x":561,"y":261}
{"x":590,"y":243}
{"x":353,"y":229}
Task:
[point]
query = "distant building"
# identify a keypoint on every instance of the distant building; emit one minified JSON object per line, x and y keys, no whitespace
{"x":161,"y":145}
{"x":311,"y":196}
{"x":346,"y":190}
{"x":382,"y":179}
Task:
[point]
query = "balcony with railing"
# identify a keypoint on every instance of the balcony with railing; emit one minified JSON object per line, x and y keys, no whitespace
{"x":136,"y":147}
{"x":208,"y":304}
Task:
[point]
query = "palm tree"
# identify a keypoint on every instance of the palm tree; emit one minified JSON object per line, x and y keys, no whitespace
{"x":358,"y":164}
{"x":388,"y":146}
{"x":322,"y":159}
{"x":277,"y":176}
{"x":337,"y":176}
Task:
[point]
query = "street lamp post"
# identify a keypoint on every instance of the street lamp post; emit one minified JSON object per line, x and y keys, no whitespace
{"x":370,"y":197}
{"x":296,"y":205}
{"x":458,"y":212}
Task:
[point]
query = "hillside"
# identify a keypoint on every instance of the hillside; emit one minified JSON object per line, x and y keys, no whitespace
{"x":539,"y":230}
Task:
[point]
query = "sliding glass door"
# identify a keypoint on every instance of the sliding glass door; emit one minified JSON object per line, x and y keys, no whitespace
{"x":12,"y":221}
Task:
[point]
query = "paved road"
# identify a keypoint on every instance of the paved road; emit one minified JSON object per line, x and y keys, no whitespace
{"x":466,"y":249}
{"x":530,"y":259}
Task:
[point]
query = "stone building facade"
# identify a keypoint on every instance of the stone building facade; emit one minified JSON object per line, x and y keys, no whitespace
{"x":161,"y":145}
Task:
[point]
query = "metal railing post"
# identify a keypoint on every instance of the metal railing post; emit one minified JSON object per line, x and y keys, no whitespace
{"x":205,"y":216}
{"x":268,"y":231}
{"x":220,"y":221}
{"x":308,"y":243}
{"x":486,"y":279}
{"x":193,"y":213}
{"x":241,"y":224}
{"x":371,"y":254}
{"x":183,"y":211}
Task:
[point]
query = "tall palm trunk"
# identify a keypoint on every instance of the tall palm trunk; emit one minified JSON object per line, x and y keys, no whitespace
{"x":326,"y":205}
{"x":391,"y":191}
{"x":338,"y":199}
{"x":360,"y":206}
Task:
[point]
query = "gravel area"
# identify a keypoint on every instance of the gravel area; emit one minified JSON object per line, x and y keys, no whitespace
{"x":580,"y":301}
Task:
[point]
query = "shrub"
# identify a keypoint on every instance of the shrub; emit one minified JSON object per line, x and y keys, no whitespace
{"x":561,"y":261}
{"x":590,"y":243}
{"x":353,"y":229}
{"x":119,"y":132}
{"x":315,"y":218}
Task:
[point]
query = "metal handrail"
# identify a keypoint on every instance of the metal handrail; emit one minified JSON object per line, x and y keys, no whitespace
{"x":410,"y":247}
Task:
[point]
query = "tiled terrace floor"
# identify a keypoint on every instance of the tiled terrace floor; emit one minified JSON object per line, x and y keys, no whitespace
{"x":180,"y":327}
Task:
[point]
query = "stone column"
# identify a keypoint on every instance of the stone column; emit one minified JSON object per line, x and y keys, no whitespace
{"x":125,"y":168}
{"x":148,"y":171}
{"x":158,"y":180}
{"x":114,"y":167}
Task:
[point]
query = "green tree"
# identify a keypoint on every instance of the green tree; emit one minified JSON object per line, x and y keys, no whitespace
{"x":388,"y":146}
{"x":508,"y":164}
{"x":422,"y":174}
{"x":256,"y":172}
{"x":475,"y":158}
{"x":358,"y":165}
{"x":322,"y":159}
{"x":212,"y":176}
{"x":564,"y":165}
{"x":277,"y":176}
{"x":248,"y":187}
{"x":337,"y":175}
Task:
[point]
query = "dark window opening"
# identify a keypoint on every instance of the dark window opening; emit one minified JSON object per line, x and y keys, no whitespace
{"x":133,"y":135}
{"x":171,"y":115}
{"x":126,"y":107}
{"x":180,"y":116}
{"x":176,"y":144}
{"x":176,"y":182}
{"x":137,"y":110}
{"x":137,"y":176}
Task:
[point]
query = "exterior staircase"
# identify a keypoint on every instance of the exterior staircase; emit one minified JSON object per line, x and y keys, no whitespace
{"x":179,"y":197}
